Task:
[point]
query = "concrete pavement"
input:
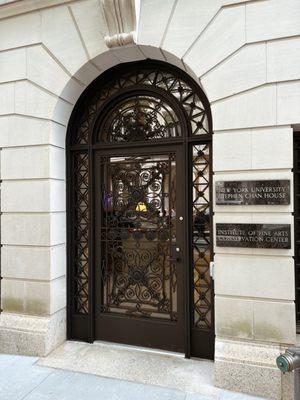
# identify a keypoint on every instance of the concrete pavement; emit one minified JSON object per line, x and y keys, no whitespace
{"x":22,"y":379}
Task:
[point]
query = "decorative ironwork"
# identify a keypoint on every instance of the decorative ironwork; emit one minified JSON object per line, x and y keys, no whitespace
{"x":201,"y":237}
{"x":138,"y":231}
{"x":81,"y":232}
{"x":140,"y":118}
{"x":174,"y":86}
{"x":134,"y":206}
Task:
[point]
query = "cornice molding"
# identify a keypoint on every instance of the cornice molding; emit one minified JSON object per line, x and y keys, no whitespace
{"x":120,"y":16}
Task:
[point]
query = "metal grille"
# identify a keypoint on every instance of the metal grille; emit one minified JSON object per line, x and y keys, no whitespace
{"x":297,"y":222}
{"x":143,"y":102}
{"x":138,"y":231}
{"x":140,"y":118}
{"x":81,"y":232}
{"x":172,"y":84}
{"x":201,"y":236}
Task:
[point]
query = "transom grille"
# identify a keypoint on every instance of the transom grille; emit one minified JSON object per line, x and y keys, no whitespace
{"x":172,"y":84}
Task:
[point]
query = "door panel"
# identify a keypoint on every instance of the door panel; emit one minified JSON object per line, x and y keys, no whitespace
{"x":139,"y":272}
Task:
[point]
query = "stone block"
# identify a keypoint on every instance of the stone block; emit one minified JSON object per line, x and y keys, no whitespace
{"x":33,"y":196}
{"x":270,"y":141}
{"x":152,"y":25}
{"x":272,"y":148}
{"x":274,"y":321}
{"x":91,"y":24}
{"x":25,"y":297}
{"x":105,"y":61}
{"x":232,"y":151}
{"x":58,"y":296}
{"x":253,"y":149}
{"x":248,"y":367}
{"x":128,"y":53}
{"x":186,"y":24}
{"x":253,"y":276}
{"x":152,"y":52}
{"x":272,"y":19}
{"x":34,"y":101}
{"x":43,"y":70}
{"x":36,"y":263}
{"x":12,"y":65}
{"x":33,"y":162}
{"x":33,"y":229}
{"x":234,"y":317}
{"x":31,"y":335}
{"x":60,"y":36}
{"x":58,"y":257}
{"x":18,"y":130}
{"x":244,"y":70}
{"x":87,"y":73}
{"x":7,"y":93}
{"x":58,"y":228}
{"x":288,"y":103}
{"x":245,"y":110}
{"x":248,"y":352}
{"x":33,"y":297}
{"x":12,"y":31}
{"x":251,"y":379}
{"x":283,"y":60}
{"x":215,"y":43}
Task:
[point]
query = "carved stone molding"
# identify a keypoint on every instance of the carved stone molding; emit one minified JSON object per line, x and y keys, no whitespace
{"x":121,"y":21}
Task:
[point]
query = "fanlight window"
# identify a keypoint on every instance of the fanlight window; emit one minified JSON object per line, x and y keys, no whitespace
{"x":150,"y":117}
{"x":140,"y":118}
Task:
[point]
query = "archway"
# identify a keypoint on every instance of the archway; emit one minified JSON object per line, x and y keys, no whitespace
{"x":139,"y":211}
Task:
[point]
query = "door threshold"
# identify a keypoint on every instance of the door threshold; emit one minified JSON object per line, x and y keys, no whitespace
{"x":139,"y":348}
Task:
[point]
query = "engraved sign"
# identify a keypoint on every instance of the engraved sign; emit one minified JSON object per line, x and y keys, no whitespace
{"x":267,"y":236}
{"x":275,"y":192}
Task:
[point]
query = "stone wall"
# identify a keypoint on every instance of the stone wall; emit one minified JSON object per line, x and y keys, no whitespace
{"x":246,"y":55}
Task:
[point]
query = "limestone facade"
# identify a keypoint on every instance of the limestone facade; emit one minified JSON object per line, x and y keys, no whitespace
{"x":245,"y":54}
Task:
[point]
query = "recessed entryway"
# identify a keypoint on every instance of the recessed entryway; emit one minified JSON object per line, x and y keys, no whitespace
{"x":140,"y":211}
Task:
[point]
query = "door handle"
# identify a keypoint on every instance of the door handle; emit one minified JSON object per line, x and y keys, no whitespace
{"x":175,"y":252}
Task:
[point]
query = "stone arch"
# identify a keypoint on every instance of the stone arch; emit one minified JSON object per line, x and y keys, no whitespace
{"x":110,"y":59}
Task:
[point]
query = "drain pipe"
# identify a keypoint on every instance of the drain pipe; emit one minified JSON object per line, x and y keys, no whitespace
{"x":288,"y":362}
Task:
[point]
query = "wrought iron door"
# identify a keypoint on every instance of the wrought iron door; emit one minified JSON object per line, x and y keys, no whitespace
{"x":139,"y":249}
{"x":139,"y":211}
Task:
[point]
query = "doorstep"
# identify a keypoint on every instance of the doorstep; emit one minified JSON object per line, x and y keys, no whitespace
{"x":139,"y":365}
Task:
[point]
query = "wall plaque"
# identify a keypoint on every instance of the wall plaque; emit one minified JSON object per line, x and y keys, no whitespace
{"x":275,"y":192}
{"x":267,"y":236}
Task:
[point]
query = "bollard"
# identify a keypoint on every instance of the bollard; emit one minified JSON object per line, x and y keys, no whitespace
{"x":288,"y":362}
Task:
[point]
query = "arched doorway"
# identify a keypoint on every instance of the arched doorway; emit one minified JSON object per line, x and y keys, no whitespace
{"x":139,"y":211}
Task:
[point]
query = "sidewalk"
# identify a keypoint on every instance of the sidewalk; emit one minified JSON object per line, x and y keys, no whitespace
{"x":22,"y":379}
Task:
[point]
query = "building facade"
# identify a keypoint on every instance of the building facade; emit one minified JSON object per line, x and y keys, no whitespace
{"x":150,"y":180}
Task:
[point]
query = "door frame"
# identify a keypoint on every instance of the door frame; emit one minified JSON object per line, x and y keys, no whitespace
{"x":181,"y":231}
{"x":81,"y":326}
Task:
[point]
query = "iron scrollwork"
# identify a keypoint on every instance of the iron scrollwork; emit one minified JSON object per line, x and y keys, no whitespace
{"x":139,"y":198}
{"x":137,"y":232}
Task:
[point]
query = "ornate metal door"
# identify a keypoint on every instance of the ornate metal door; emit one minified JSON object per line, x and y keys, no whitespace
{"x":139,"y":248}
{"x":139,"y":211}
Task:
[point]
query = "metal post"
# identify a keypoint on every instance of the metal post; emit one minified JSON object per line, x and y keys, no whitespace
{"x":288,"y":362}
